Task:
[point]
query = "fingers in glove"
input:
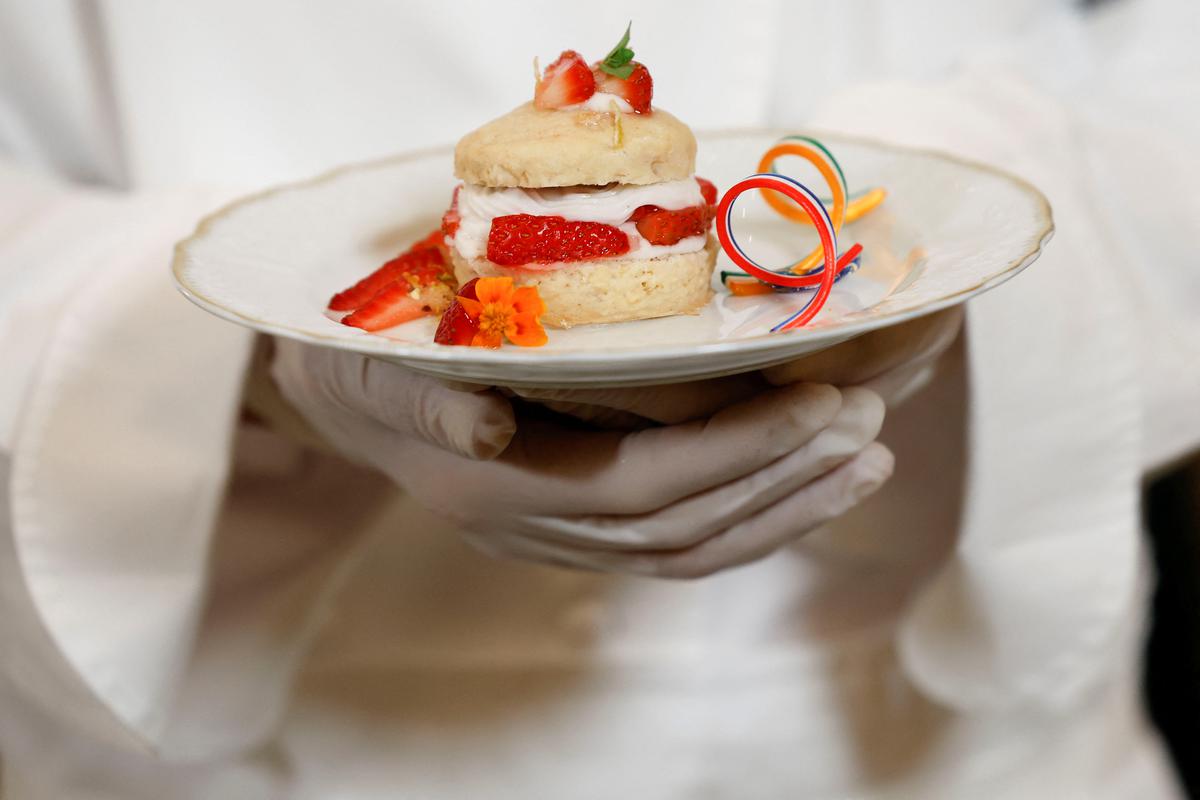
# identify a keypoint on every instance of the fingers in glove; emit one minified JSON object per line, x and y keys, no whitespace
{"x":700,"y":516}
{"x":813,"y":506}
{"x":555,"y":471}
{"x":321,"y":380}
{"x":799,"y":513}
{"x":474,"y":424}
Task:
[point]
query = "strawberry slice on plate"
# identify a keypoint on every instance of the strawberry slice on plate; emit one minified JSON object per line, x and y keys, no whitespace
{"x":517,"y":239}
{"x":425,"y":265}
{"x":424,"y":262}
{"x":397,"y":303}
{"x":566,"y":82}
{"x":708,"y":190}
{"x":451,"y":219}
{"x":390,"y":307}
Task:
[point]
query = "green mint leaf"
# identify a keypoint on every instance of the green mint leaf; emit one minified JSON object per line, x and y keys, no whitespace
{"x":618,"y":61}
{"x":623,"y":72}
{"x":621,"y":45}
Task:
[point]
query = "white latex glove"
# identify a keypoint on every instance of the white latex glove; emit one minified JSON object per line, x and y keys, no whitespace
{"x":680,"y":500}
{"x":894,"y":362}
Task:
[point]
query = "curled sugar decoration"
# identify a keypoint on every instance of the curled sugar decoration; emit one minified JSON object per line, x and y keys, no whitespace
{"x":816,"y":154}
{"x":821,"y":220}
{"x":792,"y":200}
{"x":857,"y":205}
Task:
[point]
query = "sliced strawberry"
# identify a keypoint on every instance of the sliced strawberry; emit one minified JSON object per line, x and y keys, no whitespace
{"x":451,"y":218}
{"x":637,"y":89}
{"x":400,"y":302}
{"x":456,"y":326}
{"x":565,"y":82}
{"x":390,"y":307}
{"x":708,"y":190}
{"x":641,"y":212}
{"x":518,"y":239}
{"x":423,"y":265}
{"x":660,"y":227}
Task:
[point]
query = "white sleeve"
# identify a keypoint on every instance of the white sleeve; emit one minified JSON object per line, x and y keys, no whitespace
{"x":1084,"y":372}
{"x":145,"y":600}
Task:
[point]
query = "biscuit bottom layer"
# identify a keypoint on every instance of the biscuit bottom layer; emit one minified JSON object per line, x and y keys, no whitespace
{"x":611,"y":289}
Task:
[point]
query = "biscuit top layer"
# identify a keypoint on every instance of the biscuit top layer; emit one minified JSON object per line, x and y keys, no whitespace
{"x":531,"y":148}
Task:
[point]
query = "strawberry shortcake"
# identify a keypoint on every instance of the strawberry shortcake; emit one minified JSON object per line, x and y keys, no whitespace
{"x":588,"y":193}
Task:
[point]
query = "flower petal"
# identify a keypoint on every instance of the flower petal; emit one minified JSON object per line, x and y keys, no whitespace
{"x":485,"y":339}
{"x":494,"y":290}
{"x":473,"y":307}
{"x":526,"y":331}
{"x":526,"y":300}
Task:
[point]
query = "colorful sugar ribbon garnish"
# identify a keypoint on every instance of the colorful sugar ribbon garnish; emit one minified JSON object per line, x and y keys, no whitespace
{"x":796,"y":202}
{"x":815,"y":153}
{"x":858,"y":204}
{"x":812,"y":206}
{"x":849,"y":262}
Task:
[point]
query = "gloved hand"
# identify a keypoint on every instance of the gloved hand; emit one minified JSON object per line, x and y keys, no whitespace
{"x":679,"y":500}
{"x":894,"y":362}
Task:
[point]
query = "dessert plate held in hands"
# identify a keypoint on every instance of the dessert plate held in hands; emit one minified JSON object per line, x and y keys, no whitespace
{"x":949,"y":230}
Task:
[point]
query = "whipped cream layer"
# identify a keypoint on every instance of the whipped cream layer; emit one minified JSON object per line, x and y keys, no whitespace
{"x":602,"y":101}
{"x":612,"y":205}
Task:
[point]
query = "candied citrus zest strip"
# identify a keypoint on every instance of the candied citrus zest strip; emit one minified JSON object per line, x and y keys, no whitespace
{"x":747,"y":287}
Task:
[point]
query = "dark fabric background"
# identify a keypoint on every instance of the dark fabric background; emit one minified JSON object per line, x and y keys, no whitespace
{"x":1173,"y":650}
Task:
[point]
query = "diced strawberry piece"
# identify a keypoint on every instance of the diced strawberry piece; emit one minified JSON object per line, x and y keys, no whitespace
{"x":518,"y":239}
{"x":421,"y":266}
{"x":566,"y":82}
{"x":450,"y":221}
{"x":708,"y":190}
{"x":660,"y":227}
{"x":641,"y":212}
{"x":637,"y":89}
{"x":451,"y":218}
{"x":467,"y":290}
{"x":390,"y":307}
{"x":456,"y":326}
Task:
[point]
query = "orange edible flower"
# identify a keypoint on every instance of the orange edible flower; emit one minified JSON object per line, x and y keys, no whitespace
{"x":504,"y":312}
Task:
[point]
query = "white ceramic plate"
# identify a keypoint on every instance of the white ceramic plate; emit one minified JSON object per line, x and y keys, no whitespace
{"x":948,"y":230}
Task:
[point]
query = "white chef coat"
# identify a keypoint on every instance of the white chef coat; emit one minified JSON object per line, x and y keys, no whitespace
{"x":191,"y":608}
